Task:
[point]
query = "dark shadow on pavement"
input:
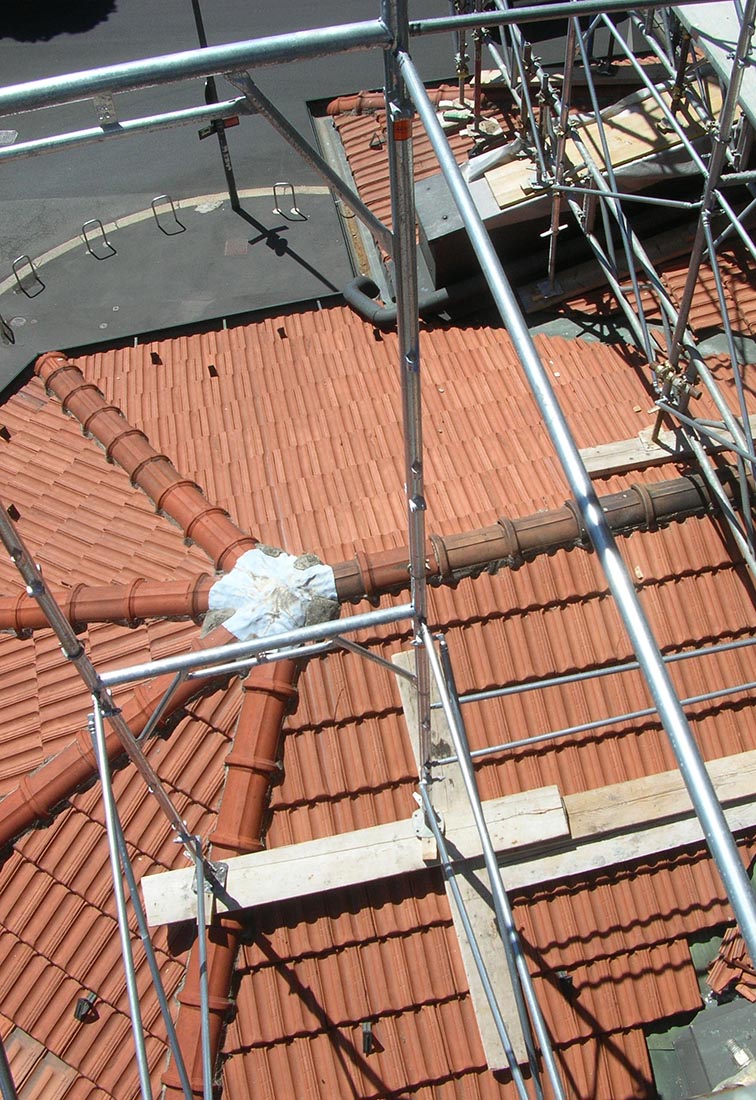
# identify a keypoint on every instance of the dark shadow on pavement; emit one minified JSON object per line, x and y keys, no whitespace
{"x":45,"y":19}
{"x":281,"y":246}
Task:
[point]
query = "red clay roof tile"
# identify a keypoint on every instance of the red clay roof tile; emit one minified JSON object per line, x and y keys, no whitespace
{"x":288,"y":462}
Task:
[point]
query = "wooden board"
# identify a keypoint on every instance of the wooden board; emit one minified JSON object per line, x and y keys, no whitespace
{"x":633,"y":133}
{"x":450,"y":800}
{"x":367,"y":855}
{"x":584,"y":857}
{"x":655,"y":798}
{"x":640,"y":451}
{"x":602,"y":827}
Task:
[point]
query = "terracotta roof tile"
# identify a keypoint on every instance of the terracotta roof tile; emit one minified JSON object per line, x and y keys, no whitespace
{"x":732,"y":967}
{"x":369,"y":162}
{"x":290,"y":464}
{"x":739,"y":279}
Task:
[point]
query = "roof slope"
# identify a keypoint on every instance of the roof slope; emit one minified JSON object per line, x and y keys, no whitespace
{"x":296,"y":432}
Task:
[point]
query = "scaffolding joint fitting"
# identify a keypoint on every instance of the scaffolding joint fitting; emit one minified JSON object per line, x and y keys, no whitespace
{"x":215,"y":875}
{"x":420,"y":824}
{"x":108,"y":708}
{"x":671,"y":379}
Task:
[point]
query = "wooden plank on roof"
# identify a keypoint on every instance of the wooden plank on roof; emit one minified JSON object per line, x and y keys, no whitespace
{"x":450,"y":800}
{"x":655,"y":797}
{"x":634,"y":130}
{"x":642,"y":450}
{"x":586,"y":856}
{"x":351,"y":859}
{"x":608,"y":826}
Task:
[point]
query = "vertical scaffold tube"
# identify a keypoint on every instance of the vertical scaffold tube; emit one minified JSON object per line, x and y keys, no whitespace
{"x":399,"y":116}
{"x":109,"y":808}
{"x":522,"y":982}
{"x":696,"y":778}
{"x":7,"y":1086}
{"x":480,"y":966}
{"x":721,"y":142}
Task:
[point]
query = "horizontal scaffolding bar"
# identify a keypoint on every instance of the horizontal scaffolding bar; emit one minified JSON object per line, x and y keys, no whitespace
{"x":597,"y":723}
{"x":75,"y":138}
{"x":222,"y":654}
{"x":532,"y":14}
{"x":595,"y":673}
{"x":295,"y":653}
{"x":210,"y":61}
{"x":707,"y":432}
{"x":624,"y":196}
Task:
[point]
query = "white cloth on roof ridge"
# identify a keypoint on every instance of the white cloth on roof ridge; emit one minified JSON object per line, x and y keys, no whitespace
{"x":269,"y":591}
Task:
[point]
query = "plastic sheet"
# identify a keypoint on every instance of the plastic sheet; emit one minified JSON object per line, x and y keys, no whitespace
{"x":269,"y":591}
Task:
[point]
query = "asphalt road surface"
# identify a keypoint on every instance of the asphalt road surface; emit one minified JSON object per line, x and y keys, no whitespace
{"x":44,"y":200}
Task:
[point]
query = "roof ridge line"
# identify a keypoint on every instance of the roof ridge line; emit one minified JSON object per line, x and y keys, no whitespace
{"x":177,"y":497}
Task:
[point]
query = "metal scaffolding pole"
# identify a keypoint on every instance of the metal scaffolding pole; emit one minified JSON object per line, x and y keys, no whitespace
{"x":527,"y":1003}
{"x":448,"y":870}
{"x":671,"y":313}
{"x":562,"y":128}
{"x":74,"y":652}
{"x":268,"y":109}
{"x":594,"y":674}
{"x":695,"y":776}
{"x":215,"y":60}
{"x":157,"y":981}
{"x":7,"y":1085}
{"x":744,"y":417}
{"x":618,"y":212}
{"x":109,"y":807}
{"x":716,"y":164}
{"x":399,"y":117}
{"x":211,"y":96}
{"x":531,"y":13}
{"x":207,"y":1061}
{"x":220,"y":655}
{"x":587,"y":727}
{"x":76,"y":138}
{"x":526,"y":108}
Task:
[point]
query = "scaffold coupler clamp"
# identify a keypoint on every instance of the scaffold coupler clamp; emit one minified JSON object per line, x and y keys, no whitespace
{"x":215,"y":876}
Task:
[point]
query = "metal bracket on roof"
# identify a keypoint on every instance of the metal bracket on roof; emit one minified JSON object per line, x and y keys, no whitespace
{"x":105,"y":109}
{"x":215,"y":877}
{"x":425,"y":834}
{"x":279,"y":190}
{"x":422,"y":829}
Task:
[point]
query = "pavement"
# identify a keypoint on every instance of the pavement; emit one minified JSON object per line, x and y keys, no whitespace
{"x":154,"y":270}
{"x":146,"y":269}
